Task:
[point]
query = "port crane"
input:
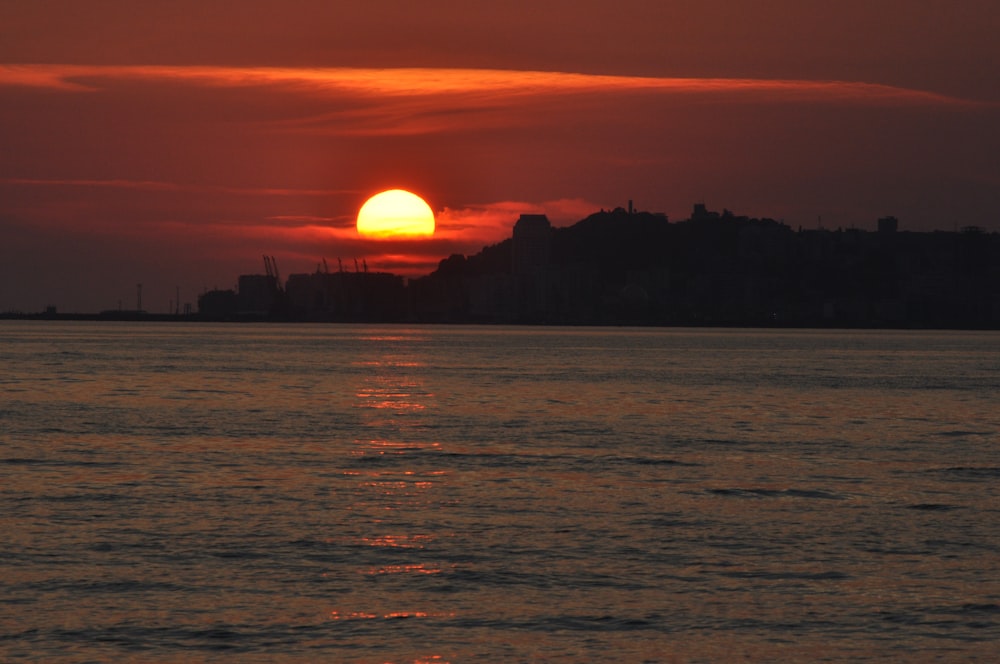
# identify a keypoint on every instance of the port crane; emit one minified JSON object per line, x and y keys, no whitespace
{"x":271,"y":268}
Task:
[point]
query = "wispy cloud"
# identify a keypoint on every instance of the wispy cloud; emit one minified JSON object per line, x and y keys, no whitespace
{"x":488,"y":84}
{"x":358,"y":102}
{"x":493,"y":221}
{"x":467,"y":227}
{"x":154,"y":185}
{"x":143,"y":185}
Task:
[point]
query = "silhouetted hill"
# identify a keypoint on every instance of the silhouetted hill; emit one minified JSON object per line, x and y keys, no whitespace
{"x":715,"y":268}
{"x":614,"y":241}
{"x":492,"y":259}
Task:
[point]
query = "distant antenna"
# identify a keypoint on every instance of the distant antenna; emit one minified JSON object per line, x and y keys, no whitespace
{"x":138,"y":297}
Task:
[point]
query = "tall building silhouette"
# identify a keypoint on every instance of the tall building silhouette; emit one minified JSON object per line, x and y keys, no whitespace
{"x":531,"y":241}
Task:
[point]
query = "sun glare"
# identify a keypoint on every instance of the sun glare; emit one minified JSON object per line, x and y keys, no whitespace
{"x":395,"y":214}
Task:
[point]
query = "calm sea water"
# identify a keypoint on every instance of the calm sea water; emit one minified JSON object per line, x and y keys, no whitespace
{"x":445,"y":494}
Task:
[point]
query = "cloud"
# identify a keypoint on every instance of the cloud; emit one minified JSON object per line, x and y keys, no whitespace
{"x":495,"y":220}
{"x":475,"y":86}
{"x":154,"y":185}
{"x":405,"y":102}
{"x":305,"y":240}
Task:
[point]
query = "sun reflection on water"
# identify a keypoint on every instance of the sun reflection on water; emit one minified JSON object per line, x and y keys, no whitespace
{"x":392,"y":615}
{"x":394,"y":478}
{"x":417,"y":568}
{"x":390,"y":383}
{"x":382,"y":447}
{"x":399,"y":541}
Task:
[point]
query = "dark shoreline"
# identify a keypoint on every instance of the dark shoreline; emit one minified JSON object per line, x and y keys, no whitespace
{"x":145,"y":317}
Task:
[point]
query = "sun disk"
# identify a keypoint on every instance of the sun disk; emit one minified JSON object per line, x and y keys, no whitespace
{"x":395,"y":214}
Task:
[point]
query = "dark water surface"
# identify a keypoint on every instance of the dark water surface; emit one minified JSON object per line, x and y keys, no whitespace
{"x":446,"y":494}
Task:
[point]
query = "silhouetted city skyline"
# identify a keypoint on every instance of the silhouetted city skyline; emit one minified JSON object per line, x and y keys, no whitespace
{"x":630,"y":267}
{"x":624,"y":266}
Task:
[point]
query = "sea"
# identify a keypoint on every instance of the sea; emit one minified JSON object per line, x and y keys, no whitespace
{"x":196,"y":492}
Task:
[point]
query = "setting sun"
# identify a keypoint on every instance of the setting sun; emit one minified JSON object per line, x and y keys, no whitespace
{"x":395,"y":214}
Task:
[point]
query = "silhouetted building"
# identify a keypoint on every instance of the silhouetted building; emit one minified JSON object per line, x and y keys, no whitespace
{"x":888,"y":225}
{"x":346,"y":296}
{"x":218,"y":304}
{"x":258,"y":294}
{"x":702,"y":213}
{"x":532,"y":239}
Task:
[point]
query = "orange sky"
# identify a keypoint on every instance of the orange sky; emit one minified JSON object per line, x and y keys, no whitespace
{"x":173,"y":145}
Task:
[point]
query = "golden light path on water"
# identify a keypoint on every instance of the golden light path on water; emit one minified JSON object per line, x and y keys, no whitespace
{"x":387,"y":391}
